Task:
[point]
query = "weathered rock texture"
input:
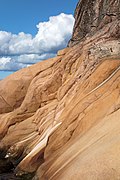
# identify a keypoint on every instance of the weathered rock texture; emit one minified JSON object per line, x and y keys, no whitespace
{"x":92,"y":15}
{"x":60,"y":118}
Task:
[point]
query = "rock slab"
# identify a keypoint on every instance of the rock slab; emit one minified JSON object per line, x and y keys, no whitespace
{"x":60,"y":118}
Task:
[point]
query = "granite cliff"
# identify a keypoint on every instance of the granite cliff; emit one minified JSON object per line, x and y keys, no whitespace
{"x":60,"y":118}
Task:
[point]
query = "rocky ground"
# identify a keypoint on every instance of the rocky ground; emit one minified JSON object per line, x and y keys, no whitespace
{"x":60,"y":118}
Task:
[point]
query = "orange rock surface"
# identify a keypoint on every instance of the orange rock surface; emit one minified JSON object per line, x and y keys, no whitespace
{"x":60,"y":118}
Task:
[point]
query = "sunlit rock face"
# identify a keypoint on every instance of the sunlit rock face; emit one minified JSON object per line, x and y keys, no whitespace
{"x":60,"y":118}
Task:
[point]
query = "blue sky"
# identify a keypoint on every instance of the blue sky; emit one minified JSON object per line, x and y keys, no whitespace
{"x":26,"y":16}
{"x":23,"y":15}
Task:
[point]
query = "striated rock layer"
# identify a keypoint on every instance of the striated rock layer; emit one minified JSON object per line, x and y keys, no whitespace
{"x":60,"y":118}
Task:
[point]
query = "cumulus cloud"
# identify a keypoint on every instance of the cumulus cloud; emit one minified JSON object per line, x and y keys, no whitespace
{"x":9,"y":64}
{"x":20,"y":50}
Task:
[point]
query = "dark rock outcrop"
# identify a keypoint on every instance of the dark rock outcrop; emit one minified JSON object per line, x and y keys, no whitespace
{"x":93,"y":15}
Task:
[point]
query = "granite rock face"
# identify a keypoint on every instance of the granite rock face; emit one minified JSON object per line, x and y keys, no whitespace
{"x":60,"y":118}
{"x":93,"y":15}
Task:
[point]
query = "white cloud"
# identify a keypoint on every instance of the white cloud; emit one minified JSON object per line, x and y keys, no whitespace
{"x":33,"y":58}
{"x":9,"y":64}
{"x":55,"y":33}
{"x":18,"y":51}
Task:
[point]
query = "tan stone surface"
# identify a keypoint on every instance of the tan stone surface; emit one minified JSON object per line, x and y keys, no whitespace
{"x":14,"y":88}
{"x":93,"y":156}
{"x":60,"y":118}
{"x":63,"y":51}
